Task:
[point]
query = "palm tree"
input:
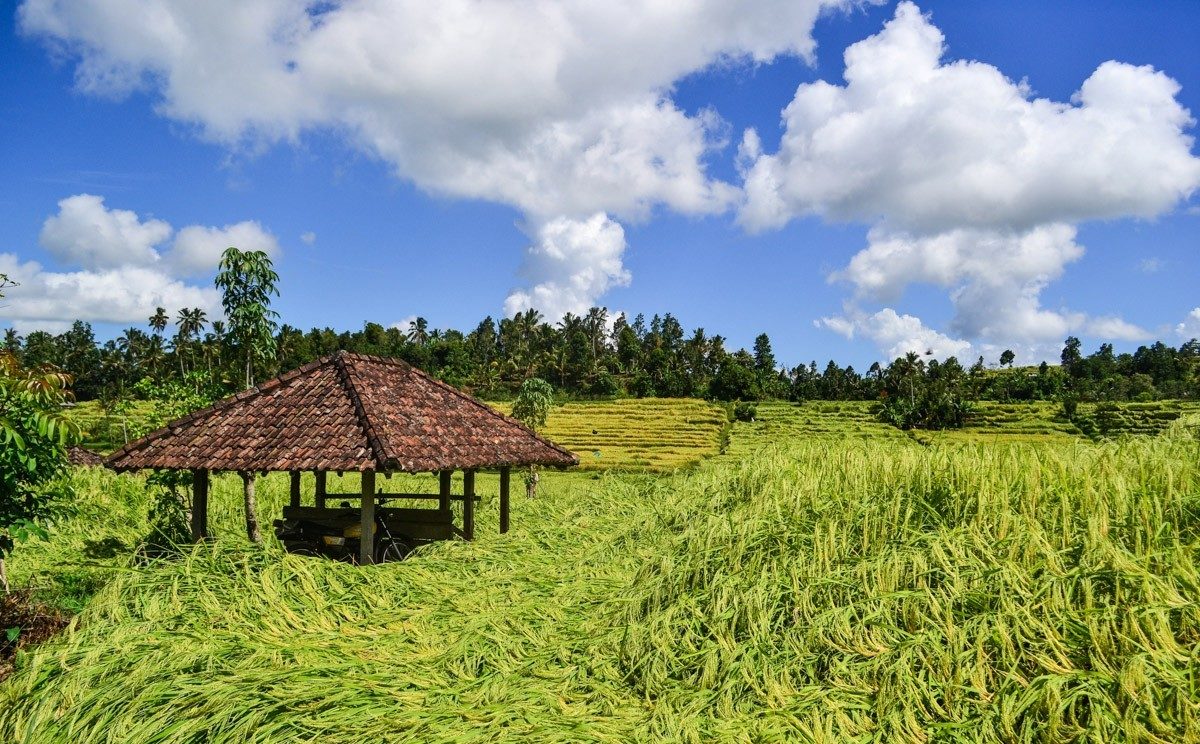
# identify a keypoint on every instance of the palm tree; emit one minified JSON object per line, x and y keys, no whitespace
{"x":12,"y":341}
{"x":191,"y":325}
{"x":418,"y":331}
{"x":216,"y":342}
{"x":159,"y":320}
{"x":154,"y":354}
{"x":596,"y":324}
{"x":526,"y":328}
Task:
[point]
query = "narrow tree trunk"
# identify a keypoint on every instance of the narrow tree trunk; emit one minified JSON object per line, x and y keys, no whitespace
{"x":3,"y":576}
{"x":251,"y":509}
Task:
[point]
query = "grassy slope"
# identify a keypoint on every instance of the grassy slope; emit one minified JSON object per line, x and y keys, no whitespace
{"x":106,"y":433}
{"x":648,"y":434}
{"x":839,"y":588}
{"x":845,"y":588}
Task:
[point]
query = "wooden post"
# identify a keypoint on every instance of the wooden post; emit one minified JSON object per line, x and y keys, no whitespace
{"x":319,"y":498}
{"x":444,"y":490}
{"x":199,"y":504}
{"x":294,"y":492}
{"x":366,"y":549}
{"x":469,"y":504}
{"x":251,"y":508}
{"x":504,"y":481}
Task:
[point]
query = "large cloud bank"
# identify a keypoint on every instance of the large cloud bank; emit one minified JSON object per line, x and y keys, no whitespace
{"x":970,"y":182}
{"x":561,"y":109}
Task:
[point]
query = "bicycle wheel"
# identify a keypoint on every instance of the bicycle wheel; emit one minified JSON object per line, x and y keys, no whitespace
{"x":390,"y":550}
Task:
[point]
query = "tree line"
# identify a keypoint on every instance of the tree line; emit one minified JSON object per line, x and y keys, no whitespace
{"x":592,"y":355}
{"x":583,"y":356}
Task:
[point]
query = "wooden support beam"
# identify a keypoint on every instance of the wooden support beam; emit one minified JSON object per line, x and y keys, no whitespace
{"x":294,"y":488}
{"x":469,"y":504}
{"x":319,"y":499}
{"x":251,"y":507}
{"x":505,"y":474}
{"x":199,"y":504}
{"x":366,"y":550}
{"x":444,"y":489}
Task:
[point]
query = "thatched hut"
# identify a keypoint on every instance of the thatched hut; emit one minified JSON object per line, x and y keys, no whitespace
{"x":349,"y":413}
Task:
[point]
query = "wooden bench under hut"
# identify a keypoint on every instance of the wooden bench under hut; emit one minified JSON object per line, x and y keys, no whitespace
{"x":350,"y":413}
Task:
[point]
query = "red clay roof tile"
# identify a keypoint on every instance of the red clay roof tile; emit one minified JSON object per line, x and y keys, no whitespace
{"x":344,"y":412}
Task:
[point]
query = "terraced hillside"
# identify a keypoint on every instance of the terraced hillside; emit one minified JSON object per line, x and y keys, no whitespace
{"x":1009,"y":422}
{"x":991,"y":423}
{"x":646,"y":434}
{"x":1134,"y":418}
{"x":1033,"y":422}
{"x":782,"y":422}
{"x":102,"y":432}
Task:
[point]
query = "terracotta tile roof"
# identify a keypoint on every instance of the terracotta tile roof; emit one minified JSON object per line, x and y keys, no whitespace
{"x":81,"y":456}
{"x":344,"y":412}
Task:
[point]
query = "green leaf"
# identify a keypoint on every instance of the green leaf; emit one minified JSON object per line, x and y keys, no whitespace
{"x":12,"y":634}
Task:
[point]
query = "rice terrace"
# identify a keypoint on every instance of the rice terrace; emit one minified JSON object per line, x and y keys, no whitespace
{"x":820,"y":371}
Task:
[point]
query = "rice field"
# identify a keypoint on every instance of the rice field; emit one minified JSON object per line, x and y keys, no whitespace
{"x":829,"y":589}
{"x":826,"y":579}
{"x":636,"y":434}
{"x":812,"y":420}
{"x":104,"y":432}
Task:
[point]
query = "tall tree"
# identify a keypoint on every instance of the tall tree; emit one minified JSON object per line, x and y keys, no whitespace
{"x":247,"y":280}
{"x":532,"y":408}
{"x":191,"y":324}
{"x":418,"y":331}
{"x":159,"y":321}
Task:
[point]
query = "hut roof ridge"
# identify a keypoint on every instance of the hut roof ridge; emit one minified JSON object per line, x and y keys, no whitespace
{"x":485,"y":408}
{"x":344,"y":411}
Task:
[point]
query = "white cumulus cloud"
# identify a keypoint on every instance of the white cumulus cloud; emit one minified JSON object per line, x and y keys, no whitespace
{"x":127,"y":294}
{"x":898,"y":334}
{"x":197,"y":249}
{"x":119,"y":266}
{"x":570,"y":265}
{"x":970,"y":182}
{"x":1190,"y":327}
{"x":88,"y":234}
{"x":560,"y":109}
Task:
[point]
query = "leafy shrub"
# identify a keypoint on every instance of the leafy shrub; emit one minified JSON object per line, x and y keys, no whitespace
{"x":743,"y":411}
{"x":1070,"y":406}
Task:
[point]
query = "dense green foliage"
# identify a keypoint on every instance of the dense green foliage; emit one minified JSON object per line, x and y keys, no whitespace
{"x":839,"y":589}
{"x":919,"y":395}
{"x":584,"y":357}
{"x":247,"y":281}
{"x":33,"y":440}
{"x":533,"y":403}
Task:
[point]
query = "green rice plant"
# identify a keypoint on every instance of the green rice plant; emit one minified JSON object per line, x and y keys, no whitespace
{"x":89,"y":538}
{"x":825,"y":588}
{"x":869,"y":593}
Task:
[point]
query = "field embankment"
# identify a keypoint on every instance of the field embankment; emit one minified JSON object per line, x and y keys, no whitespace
{"x":837,"y":589}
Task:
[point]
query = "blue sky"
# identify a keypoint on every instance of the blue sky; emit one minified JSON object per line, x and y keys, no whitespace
{"x":441,"y":178}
